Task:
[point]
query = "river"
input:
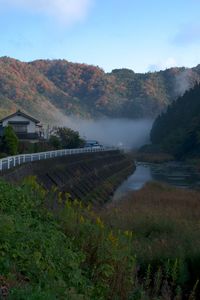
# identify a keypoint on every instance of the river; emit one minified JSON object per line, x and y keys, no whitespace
{"x":176,"y":174}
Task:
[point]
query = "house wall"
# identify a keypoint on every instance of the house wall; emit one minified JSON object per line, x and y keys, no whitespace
{"x":31,"y":127}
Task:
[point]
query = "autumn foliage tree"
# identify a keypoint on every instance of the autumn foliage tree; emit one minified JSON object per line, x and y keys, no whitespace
{"x":46,"y":86}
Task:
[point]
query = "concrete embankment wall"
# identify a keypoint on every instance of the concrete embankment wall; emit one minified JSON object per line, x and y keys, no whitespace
{"x":90,"y":177}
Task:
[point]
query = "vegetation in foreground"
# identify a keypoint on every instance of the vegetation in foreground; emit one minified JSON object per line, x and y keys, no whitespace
{"x":48,"y":253}
{"x":145,"y":247}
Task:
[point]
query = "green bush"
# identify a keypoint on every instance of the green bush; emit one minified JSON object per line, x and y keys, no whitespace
{"x":66,"y":256}
{"x":28,"y":147}
{"x":55,"y":142}
{"x":67,"y":138}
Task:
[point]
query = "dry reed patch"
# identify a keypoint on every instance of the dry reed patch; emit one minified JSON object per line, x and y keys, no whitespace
{"x":165,"y":222}
{"x":156,"y":199}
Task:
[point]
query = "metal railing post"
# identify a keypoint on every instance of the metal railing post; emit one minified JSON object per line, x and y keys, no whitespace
{"x":8,"y":160}
{"x":14,"y":161}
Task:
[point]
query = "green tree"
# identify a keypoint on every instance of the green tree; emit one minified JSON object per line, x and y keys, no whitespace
{"x":177,"y":130}
{"x":54,"y":141}
{"x":66,"y":138}
{"x":10,"y":142}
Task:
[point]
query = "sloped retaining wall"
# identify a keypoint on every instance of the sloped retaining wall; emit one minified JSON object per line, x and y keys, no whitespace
{"x":90,"y":177}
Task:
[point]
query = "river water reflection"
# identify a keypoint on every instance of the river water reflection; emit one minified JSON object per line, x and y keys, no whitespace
{"x":174,"y":173}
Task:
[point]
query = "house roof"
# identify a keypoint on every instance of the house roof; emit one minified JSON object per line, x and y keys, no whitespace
{"x":20,"y":113}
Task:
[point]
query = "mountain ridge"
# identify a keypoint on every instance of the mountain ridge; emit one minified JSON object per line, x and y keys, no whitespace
{"x":49,"y":88}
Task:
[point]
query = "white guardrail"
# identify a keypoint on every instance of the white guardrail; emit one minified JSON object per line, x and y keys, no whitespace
{"x":13,"y":161}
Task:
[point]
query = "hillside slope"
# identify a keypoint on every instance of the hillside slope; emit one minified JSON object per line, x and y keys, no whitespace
{"x":178,"y":129}
{"x":44,"y":88}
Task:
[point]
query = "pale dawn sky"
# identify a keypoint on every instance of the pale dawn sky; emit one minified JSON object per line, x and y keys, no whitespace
{"x":143,"y":35}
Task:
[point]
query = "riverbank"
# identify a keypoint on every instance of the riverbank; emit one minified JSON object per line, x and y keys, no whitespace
{"x":177,"y":174}
{"x":91,"y":177}
{"x":164,"y":222}
{"x":153,"y":157}
{"x":152,"y":154}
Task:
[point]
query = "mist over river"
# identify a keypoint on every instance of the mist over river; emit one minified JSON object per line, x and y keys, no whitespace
{"x":177,"y":174}
{"x":126,"y":133}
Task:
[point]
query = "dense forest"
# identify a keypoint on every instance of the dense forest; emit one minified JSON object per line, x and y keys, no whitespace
{"x":178,"y":129}
{"x":44,"y":88}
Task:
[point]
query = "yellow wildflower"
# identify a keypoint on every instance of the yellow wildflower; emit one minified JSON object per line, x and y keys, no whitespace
{"x":128,"y":233}
{"x":67,"y":196}
{"x":67,"y":204}
{"x":60,"y":198}
{"x":54,"y":189}
{"x":89,"y":207}
{"x":76,"y":202}
{"x":99,"y":222}
{"x":82,"y":220}
{"x":113,"y":239}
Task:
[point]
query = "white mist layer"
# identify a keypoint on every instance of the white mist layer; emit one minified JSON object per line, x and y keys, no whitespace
{"x":182,"y":82}
{"x":114,"y":132}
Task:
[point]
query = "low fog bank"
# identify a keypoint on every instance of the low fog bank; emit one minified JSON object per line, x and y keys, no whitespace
{"x":115,"y":132}
{"x":182,"y":82}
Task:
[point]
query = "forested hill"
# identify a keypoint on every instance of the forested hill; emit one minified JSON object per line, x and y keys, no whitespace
{"x":178,"y":129}
{"x":43,"y":88}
